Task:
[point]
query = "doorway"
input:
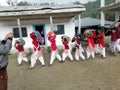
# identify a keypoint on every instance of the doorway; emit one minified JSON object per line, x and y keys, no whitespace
{"x":41,"y":29}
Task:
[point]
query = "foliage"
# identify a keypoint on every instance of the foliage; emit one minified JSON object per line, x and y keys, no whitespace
{"x":91,"y":11}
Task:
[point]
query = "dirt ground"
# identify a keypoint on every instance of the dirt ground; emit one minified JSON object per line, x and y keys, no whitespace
{"x":97,"y":74}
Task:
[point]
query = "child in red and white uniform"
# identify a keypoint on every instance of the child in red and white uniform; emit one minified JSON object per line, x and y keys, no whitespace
{"x":51,"y":37}
{"x":37,"y":53}
{"x":101,"y":43}
{"x":79,"y":50}
{"x":90,"y":49}
{"x":22,"y":54}
{"x":67,"y":48}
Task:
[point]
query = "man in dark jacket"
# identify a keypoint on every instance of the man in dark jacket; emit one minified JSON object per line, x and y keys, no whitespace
{"x":5,"y":46}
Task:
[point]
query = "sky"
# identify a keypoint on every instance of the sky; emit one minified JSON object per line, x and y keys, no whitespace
{"x":58,"y":1}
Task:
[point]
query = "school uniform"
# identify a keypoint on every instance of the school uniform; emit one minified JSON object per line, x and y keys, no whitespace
{"x":22,"y":55}
{"x":101,"y":44}
{"x":90,"y":49}
{"x":67,"y":50}
{"x":54,"y":50}
{"x":37,"y":53}
{"x":79,"y":50}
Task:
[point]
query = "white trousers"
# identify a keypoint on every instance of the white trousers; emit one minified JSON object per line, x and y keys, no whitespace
{"x":67,"y":53}
{"x":118,"y":44}
{"x":34,"y":58}
{"x":22,"y":57}
{"x":78,"y":53}
{"x":55,"y":54}
{"x":102,"y":52}
{"x":90,"y":54}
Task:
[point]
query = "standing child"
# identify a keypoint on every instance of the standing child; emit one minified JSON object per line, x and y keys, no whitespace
{"x":67,"y":48}
{"x":37,"y":53}
{"x":79,"y":50}
{"x":51,"y":37}
{"x":22,"y":55}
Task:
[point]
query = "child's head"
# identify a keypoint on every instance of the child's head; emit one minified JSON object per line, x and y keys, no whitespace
{"x":113,"y":30}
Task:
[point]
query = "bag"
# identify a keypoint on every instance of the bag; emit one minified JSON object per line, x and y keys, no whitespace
{"x":38,"y":36}
{"x":22,"y":42}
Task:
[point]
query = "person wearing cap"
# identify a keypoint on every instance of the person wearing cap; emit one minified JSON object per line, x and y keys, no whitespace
{"x":79,"y":50}
{"x":54,"y":51}
{"x":67,"y":48}
{"x":37,"y":53}
{"x":5,"y":47}
{"x":21,"y":53}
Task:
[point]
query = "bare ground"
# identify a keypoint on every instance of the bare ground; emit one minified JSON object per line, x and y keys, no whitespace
{"x":97,"y":74}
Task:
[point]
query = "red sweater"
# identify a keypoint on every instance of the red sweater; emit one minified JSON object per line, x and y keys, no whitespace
{"x":36,"y":45}
{"x":91,"y":40}
{"x":65,"y":43}
{"x":101,"y":39}
{"x":19,"y":48}
{"x":53,"y":43}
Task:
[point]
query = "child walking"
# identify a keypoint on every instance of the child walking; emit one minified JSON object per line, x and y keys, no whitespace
{"x":51,"y":37}
{"x":22,"y":55}
{"x":79,"y":50}
{"x":37,"y":53}
{"x":90,"y":49}
{"x":67,"y":48}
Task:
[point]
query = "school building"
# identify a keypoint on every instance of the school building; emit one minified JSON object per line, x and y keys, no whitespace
{"x":22,"y":20}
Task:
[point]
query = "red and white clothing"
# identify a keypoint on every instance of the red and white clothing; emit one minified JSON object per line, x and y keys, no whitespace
{"x":67,"y":50}
{"x":37,"y":53}
{"x":90,"y":46}
{"x":118,"y":38}
{"x":22,"y":55}
{"x":101,"y":42}
{"x":79,"y":50}
{"x":54,"y":50}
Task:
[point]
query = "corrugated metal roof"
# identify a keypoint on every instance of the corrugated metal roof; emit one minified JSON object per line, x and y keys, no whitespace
{"x":29,"y":8}
{"x":86,"y":22}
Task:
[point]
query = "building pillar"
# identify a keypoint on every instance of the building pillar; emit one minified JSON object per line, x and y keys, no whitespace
{"x":79,"y":24}
{"x":117,"y":16}
{"x":102,"y":13}
{"x":117,"y":1}
{"x":51,"y":23}
{"x":19,"y":27}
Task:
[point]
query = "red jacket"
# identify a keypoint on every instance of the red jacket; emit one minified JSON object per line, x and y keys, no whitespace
{"x":101,"y":39}
{"x":53,"y":43}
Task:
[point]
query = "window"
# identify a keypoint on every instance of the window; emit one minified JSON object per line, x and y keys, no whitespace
{"x":59,"y":29}
{"x":16,"y":32}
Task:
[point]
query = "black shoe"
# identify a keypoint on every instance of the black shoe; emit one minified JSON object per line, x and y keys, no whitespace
{"x":43,"y":65}
{"x":61,"y":61}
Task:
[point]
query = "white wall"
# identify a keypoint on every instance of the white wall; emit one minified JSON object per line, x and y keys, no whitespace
{"x":7,"y":26}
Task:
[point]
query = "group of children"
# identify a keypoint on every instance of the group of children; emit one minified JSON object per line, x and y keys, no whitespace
{"x":94,"y":44}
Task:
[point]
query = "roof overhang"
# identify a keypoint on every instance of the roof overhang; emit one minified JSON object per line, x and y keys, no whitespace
{"x":112,"y":7}
{"x":41,"y":13}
